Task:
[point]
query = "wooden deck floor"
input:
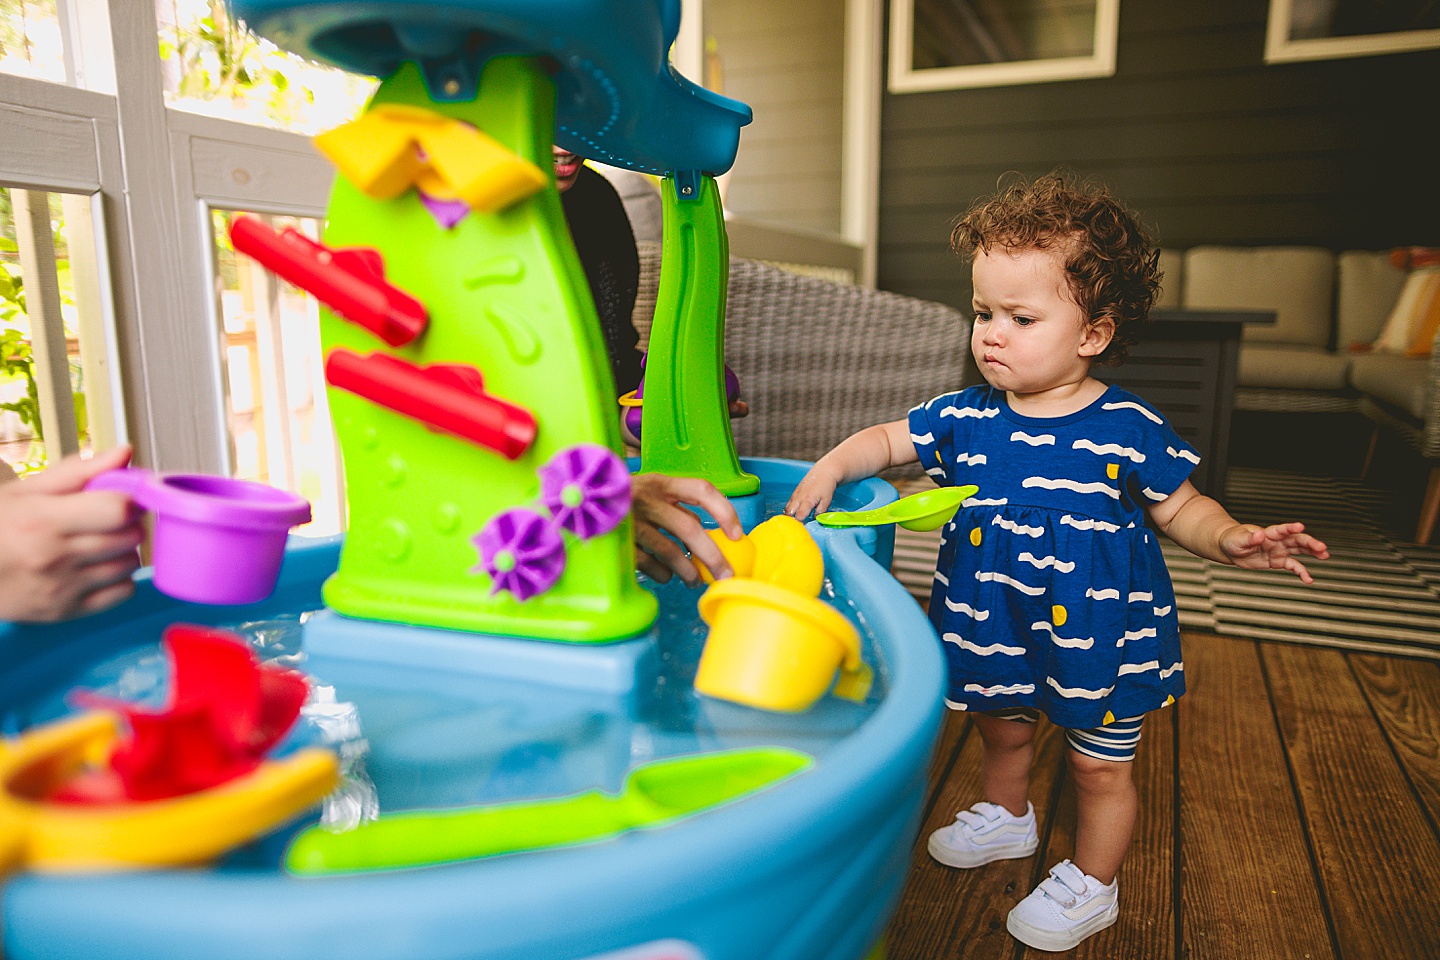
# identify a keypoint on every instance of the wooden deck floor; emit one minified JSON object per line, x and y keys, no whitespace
{"x":1290,"y":809}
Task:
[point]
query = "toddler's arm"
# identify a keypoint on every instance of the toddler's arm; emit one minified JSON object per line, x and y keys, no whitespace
{"x":1202,"y":526}
{"x":862,"y":455}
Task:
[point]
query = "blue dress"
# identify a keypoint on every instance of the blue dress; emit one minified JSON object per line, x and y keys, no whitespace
{"x":1050,"y":592}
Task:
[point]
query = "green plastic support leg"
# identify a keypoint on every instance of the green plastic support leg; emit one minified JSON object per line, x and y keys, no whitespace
{"x":686,"y":420}
{"x":505,"y":294}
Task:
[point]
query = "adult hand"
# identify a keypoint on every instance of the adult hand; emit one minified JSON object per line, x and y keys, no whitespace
{"x":66,"y":552}
{"x":656,"y":506}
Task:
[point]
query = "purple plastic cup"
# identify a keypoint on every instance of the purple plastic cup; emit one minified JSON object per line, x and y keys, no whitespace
{"x":216,"y":540}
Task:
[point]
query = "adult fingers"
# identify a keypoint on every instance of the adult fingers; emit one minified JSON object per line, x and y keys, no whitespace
{"x":92,"y":548}
{"x":666,"y":551}
{"x":72,"y":473}
{"x":106,"y":597}
{"x":96,"y":512}
{"x":651,"y":567}
{"x":705,"y":495}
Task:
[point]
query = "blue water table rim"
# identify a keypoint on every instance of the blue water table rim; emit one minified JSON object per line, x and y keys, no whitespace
{"x":791,"y":861}
{"x":618,"y":99}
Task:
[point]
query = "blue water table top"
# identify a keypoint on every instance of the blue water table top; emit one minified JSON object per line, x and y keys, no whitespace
{"x":618,"y":99}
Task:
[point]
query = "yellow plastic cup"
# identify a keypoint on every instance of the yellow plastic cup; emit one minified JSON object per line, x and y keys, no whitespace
{"x":772,"y":648}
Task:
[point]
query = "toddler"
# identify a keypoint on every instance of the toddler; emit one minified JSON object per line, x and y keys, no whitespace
{"x":1051,"y":595}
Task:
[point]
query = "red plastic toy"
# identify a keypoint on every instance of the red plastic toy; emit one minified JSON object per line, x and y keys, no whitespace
{"x":349,"y":281}
{"x":225,"y":711}
{"x":449,"y":397}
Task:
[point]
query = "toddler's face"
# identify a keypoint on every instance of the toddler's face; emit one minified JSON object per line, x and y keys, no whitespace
{"x":1029,"y":334}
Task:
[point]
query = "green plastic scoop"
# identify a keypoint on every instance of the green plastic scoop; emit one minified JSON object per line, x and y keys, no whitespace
{"x":926,"y":510}
{"x":654,"y":794}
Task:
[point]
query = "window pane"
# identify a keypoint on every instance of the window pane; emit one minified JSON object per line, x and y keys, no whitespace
{"x":962,"y":33}
{"x":56,"y":372}
{"x":1315,"y":19}
{"x":215,"y":66}
{"x":279,"y":422}
{"x":31,"y":43}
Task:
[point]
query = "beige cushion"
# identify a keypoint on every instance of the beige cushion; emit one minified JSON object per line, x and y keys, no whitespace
{"x":1366,"y":288}
{"x":1291,"y":367}
{"x":1409,"y":328}
{"x":1296,"y":282}
{"x":1402,"y":382}
{"x":1172,"y":269}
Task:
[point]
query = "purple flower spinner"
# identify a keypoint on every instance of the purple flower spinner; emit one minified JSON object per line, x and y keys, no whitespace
{"x":522,"y":552}
{"x":586,"y":488}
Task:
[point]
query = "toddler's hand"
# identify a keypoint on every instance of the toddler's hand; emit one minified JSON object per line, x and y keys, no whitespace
{"x":1272,"y":548}
{"x":812,"y":495}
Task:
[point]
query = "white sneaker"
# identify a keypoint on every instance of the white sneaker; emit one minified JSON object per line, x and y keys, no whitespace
{"x":1067,"y":907}
{"x":985,"y":832}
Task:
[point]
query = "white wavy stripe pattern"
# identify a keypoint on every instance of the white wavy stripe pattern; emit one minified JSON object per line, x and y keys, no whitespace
{"x":979,"y":616}
{"x":1072,"y":693}
{"x":1109,"y":449}
{"x":1130,"y":405}
{"x":1089,"y":524}
{"x":989,"y":651}
{"x":925,"y":438}
{"x":1041,"y":440}
{"x":1183,"y":455}
{"x":963,"y":413}
{"x":1141,"y":634}
{"x":1074,"y":485}
{"x":1014,"y":527}
{"x":1109,"y":593}
{"x":1040,"y":563}
{"x":970,"y":459}
{"x":987,"y":576}
{"x":1000,"y":690}
{"x":1069,"y":643}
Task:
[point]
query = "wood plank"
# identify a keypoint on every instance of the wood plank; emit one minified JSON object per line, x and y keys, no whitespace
{"x":1235,"y":796}
{"x":1405,"y":695}
{"x":960,"y":914}
{"x":1146,"y":927}
{"x":1377,"y":856}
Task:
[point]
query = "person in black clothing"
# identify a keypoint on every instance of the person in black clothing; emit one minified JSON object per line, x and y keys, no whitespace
{"x":606,"y":245}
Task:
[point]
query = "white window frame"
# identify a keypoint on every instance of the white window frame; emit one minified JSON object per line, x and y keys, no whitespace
{"x":1279,"y":48}
{"x":154,"y":175}
{"x":905,"y":79}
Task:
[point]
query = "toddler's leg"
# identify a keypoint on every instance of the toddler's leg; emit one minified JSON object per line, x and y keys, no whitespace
{"x":1081,"y":897}
{"x":1106,"y":802}
{"x":1001,"y":827}
{"x":1009,"y":752}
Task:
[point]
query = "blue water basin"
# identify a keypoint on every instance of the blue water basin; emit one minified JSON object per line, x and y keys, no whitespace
{"x":808,"y":868}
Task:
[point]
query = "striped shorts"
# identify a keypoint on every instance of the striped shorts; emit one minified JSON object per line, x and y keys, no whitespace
{"x":1115,"y":741}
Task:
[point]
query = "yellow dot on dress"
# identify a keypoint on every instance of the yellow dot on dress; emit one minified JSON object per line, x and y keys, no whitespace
{"x":975,"y":536}
{"x":1109,"y":719}
{"x":1058,"y":615}
{"x":1112,"y":470}
{"x":1168,"y":701}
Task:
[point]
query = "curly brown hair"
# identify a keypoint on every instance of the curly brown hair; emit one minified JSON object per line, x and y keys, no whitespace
{"x":1110,"y":260}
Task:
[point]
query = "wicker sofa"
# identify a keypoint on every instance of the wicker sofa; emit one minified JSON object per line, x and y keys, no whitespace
{"x":818,"y":360}
{"x":1329,"y":308}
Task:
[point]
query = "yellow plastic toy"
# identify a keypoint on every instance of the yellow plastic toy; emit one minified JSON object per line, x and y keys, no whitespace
{"x":778,"y":551}
{"x":772,"y":643}
{"x":183,"y":830}
{"x":394,"y":147}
